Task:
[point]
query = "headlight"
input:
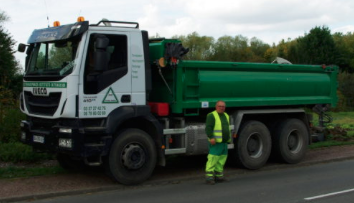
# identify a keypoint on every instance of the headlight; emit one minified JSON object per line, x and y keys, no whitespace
{"x":23,"y":135}
{"x":65,"y":142}
{"x":65,"y":130}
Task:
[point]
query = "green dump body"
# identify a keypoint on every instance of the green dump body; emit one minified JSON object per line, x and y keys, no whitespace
{"x":192,"y":85}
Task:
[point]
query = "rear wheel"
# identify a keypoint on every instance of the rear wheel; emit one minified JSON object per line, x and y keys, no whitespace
{"x":132,"y":158}
{"x":291,"y":140}
{"x":253,"y":145}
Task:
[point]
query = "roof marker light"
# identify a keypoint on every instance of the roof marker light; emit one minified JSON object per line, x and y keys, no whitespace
{"x":56,"y":23}
{"x":80,"y":19}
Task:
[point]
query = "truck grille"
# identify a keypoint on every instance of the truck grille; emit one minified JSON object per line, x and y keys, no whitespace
{"x":39,"y":123}
{"x":40,"y":105}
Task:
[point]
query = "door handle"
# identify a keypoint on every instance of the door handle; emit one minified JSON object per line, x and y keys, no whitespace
{"x":125,"y":98}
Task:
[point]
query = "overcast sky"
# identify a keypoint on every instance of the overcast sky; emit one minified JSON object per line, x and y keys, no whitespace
{"x":268,"y":20}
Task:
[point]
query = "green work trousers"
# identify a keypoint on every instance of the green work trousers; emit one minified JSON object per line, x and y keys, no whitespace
{"x":216,"y":160}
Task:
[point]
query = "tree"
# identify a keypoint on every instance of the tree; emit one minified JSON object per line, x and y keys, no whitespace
{"x":3,"y":17}
{"x":8,"y":64}
{"x":342,"y":52}
{"x":10,"y":86}
{"x":236,"y":48}
{"x":224,"y":49}
{"x":293,"y":51}
{"x":346,"y":87}
{"x":200,"y":47}
{"x":243,"y":52}
{"x":270,"y":54}
{"x":317,"y":47}
{"x":285,"y":49}
{"x":345,"y":51}
{"x":259,"y":48}
{"x":10,"y":74}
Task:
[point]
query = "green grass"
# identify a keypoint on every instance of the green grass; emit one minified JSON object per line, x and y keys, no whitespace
{"x":19,"y":172}
{"x":329,"y":144}
{"x":343,"y":120}
{"x":350,"y":133}
{"x":18,"y":152}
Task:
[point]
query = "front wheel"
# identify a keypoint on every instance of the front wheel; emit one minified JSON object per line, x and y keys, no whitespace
{"x":253,"y":145}
{"x":132,"y":158}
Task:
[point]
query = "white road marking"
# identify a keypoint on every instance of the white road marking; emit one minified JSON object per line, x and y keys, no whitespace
{"x":329,"y":194}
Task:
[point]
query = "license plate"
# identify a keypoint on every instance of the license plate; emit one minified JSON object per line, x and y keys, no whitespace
{"x":38,"y":138}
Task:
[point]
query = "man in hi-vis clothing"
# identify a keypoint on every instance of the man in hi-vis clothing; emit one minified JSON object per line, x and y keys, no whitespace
{"x":217,"y":128}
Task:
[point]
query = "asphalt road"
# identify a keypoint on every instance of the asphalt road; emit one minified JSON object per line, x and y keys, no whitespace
{"x":321,"y":183}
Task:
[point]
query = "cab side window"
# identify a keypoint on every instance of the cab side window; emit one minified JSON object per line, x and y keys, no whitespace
{"x":117,"y":51}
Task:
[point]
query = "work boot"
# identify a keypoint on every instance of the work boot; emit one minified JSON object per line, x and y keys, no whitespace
{"x":220,"y":179}
{"x":210,"y":181}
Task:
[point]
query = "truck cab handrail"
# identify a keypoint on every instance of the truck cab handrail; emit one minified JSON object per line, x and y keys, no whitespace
{"x":109,"y":22}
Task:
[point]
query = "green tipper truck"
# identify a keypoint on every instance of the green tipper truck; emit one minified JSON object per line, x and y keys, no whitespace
{"x":105,"y":94}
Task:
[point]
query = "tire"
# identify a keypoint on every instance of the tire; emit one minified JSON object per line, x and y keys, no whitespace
{"x":253,"y":145}
{"x":132,"y":157}
{"x":291,"y":140}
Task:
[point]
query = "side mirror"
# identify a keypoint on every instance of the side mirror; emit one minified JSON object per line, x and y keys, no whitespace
{"x":21,"y":48}
{"x":101,"y":56}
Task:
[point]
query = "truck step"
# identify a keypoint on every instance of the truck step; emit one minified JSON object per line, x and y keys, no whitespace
{"x":97,"y":162}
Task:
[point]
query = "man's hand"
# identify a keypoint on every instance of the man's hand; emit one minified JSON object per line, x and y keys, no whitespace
{"x":212,"y":141}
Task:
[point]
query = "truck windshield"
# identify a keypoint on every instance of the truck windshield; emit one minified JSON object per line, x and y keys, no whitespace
{"x":53,"y":58}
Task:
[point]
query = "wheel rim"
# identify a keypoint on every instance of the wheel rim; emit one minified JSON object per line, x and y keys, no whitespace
{"x":133,"y":156}
{"x":294,"y":141}
{"x":254,"y":145}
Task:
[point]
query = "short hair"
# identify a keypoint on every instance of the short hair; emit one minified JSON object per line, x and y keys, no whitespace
{"x":220,"y":101}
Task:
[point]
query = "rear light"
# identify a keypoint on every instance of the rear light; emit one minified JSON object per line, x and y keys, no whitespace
{"x":161,"y":109}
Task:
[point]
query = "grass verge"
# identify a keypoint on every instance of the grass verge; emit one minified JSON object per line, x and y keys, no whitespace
{"x":330,"y":143}
{"x":20,"y":172}
{"x":17,"y":152}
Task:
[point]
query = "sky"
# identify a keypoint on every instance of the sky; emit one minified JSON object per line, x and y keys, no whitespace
{"x":268,"y":20}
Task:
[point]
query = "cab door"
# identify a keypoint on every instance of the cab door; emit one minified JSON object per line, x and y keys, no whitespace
{"x":108,"y":87}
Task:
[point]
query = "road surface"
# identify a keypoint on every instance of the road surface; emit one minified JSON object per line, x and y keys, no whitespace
{"x":321,"y":183}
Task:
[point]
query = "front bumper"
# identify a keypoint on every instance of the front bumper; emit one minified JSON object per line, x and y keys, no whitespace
{"x":67,"y":136}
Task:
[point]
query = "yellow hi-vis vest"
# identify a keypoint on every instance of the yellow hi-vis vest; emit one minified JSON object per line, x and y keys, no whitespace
{"x":218,"y":128}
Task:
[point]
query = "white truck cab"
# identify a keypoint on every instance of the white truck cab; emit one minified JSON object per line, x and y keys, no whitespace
{"x":82,"y":83}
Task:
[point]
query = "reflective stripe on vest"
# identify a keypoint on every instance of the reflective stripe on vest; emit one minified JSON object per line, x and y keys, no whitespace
{"x":217,"y":127}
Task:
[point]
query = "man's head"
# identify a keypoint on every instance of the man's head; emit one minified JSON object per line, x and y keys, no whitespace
{"x":220,"y":106}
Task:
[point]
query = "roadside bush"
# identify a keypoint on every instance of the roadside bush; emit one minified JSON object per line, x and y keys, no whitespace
{"x":346,"y":87}
{"x":341,"y":104}
{"x":18,"y":152}
{"x":10,"y":129}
